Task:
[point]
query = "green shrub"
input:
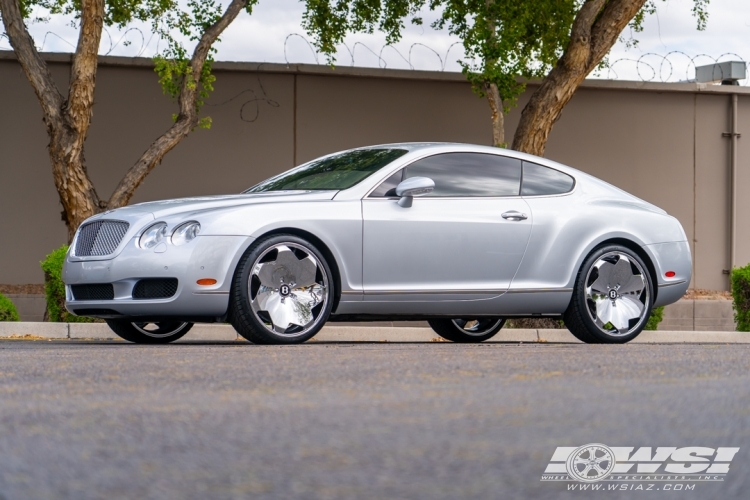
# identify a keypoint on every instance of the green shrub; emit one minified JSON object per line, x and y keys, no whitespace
{"x":741,"y":297}
{"x":54,"y":289}
{"x":8,"y":311}
{"x":657,"y":314}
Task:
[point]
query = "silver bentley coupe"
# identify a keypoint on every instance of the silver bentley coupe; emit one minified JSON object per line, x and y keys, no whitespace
{"x":462,"y":236}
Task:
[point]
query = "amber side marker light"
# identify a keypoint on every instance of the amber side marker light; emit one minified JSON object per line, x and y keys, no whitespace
{"x":206,"y":281}
{"x":669,"y":274}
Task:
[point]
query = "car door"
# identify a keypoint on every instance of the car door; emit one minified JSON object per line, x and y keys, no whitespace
{"x":463,"y":241}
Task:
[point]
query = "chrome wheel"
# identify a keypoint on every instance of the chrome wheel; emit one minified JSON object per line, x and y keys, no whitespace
{"x":617,"y":294}
{"x":477,"y":327}
{"x":288,"y":289}
{"x":160,"y":330}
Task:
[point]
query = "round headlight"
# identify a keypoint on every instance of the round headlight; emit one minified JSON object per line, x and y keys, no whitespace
{"x":153,"y":235}
{"x":185,"y":232}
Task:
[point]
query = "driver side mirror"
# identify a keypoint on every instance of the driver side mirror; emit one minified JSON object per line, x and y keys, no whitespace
{"x":416,"y":186}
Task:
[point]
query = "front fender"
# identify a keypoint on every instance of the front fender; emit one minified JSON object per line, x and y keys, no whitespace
{"x":337,"y":224}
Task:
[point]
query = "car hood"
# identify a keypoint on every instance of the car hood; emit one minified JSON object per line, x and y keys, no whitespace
{"x":166,"y":208}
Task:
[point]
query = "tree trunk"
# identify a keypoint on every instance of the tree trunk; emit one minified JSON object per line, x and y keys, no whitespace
{"x":498,"y":117}
{"x":595,"y":30}
{"x":68,"y":120}
{"x":77,"y":194}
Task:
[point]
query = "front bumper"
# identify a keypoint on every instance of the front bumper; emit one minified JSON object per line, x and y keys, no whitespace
{"x":213,"y":257}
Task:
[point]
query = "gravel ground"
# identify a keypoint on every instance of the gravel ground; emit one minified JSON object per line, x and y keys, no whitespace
{"x":85,"y":420}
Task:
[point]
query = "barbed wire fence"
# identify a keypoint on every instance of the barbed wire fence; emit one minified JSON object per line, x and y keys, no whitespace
{"x":649,"y":67}
{"x":661,"y":67}
{"x":382,"y":62}
{"x":674,"y":66}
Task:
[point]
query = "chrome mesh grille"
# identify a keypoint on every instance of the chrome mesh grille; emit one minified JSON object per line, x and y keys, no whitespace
{"x":100,"y":237}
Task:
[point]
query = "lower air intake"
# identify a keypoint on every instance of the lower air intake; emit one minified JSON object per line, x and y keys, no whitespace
{"x":155,"y":288}
{"x":103,"y":291}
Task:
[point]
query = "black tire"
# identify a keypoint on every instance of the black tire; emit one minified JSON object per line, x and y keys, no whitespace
{"x":581,"y":316}
{"x":141,"y":333}
{"x":256,"y":325}
{"x":455,"y":331}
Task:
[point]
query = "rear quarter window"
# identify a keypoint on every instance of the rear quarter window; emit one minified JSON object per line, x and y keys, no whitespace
{"x":540,"y":181}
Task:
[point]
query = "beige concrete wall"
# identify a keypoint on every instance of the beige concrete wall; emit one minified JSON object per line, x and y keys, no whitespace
{"x":661,"y":142}
{"x":743,"y":180}
{"x":336,"y":113}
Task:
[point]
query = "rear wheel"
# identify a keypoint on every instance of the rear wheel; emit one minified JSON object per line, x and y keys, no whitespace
{"x":612,"y":298}
{"x":464,"y":330}
{"x":162,"y":332}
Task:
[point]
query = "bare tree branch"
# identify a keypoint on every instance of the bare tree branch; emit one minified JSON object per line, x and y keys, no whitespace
{"x":32,"y":63}
{"x":498,"y":115}
{"x":80,"y":105}
{"x":187,"y":119}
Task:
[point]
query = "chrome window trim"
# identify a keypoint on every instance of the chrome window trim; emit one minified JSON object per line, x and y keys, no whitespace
{"x":435,"y":198}
{"x":534,"y":196}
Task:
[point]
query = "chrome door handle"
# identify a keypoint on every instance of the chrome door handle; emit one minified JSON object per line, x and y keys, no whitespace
{"x":514,"y":215}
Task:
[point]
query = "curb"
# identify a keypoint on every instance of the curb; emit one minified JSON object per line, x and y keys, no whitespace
{"x":333,"y":333}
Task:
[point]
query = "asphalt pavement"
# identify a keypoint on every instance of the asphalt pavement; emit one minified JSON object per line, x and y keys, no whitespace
{"x":87,"y":420}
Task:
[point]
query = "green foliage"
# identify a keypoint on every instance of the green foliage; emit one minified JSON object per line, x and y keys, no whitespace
{"x":740,"y":281}
{"x":657,"y":314}
{"x":8,"y":311}
{"x":507,"y":39}
{"x":54,"y":289}
{"x":172,"y":65}
{"x":329,"y":21}
{"x":504,"y":41}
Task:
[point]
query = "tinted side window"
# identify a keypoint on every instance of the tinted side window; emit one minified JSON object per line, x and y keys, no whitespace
{"x":539,"y":180}
{"x":388,"y":186}
{"x":469,"y":174}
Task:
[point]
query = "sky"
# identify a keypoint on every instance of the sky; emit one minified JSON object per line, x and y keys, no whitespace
{"x":669,"y":48}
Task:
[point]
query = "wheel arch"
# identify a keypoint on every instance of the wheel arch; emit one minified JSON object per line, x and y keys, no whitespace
{"x":322,"y":247}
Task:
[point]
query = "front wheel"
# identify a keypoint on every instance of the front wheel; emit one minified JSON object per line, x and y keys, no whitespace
{"x":162,"y":332}
{"x":612,"y":298}
{"x":282,"y":291}
{"x":467,"y":330}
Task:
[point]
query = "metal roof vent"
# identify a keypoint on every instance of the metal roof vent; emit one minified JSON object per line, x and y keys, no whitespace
{"x":728,"y":73}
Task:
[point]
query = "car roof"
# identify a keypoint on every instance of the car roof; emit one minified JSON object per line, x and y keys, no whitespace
{"x":458,"y":147}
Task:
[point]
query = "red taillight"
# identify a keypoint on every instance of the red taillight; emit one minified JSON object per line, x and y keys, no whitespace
{"x":670,"y":274}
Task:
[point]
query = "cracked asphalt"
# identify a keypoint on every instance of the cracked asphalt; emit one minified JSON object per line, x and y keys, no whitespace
{"x":86,"y":420}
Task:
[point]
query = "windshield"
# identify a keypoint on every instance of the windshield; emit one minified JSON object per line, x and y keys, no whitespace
{"x":340,"y":171}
